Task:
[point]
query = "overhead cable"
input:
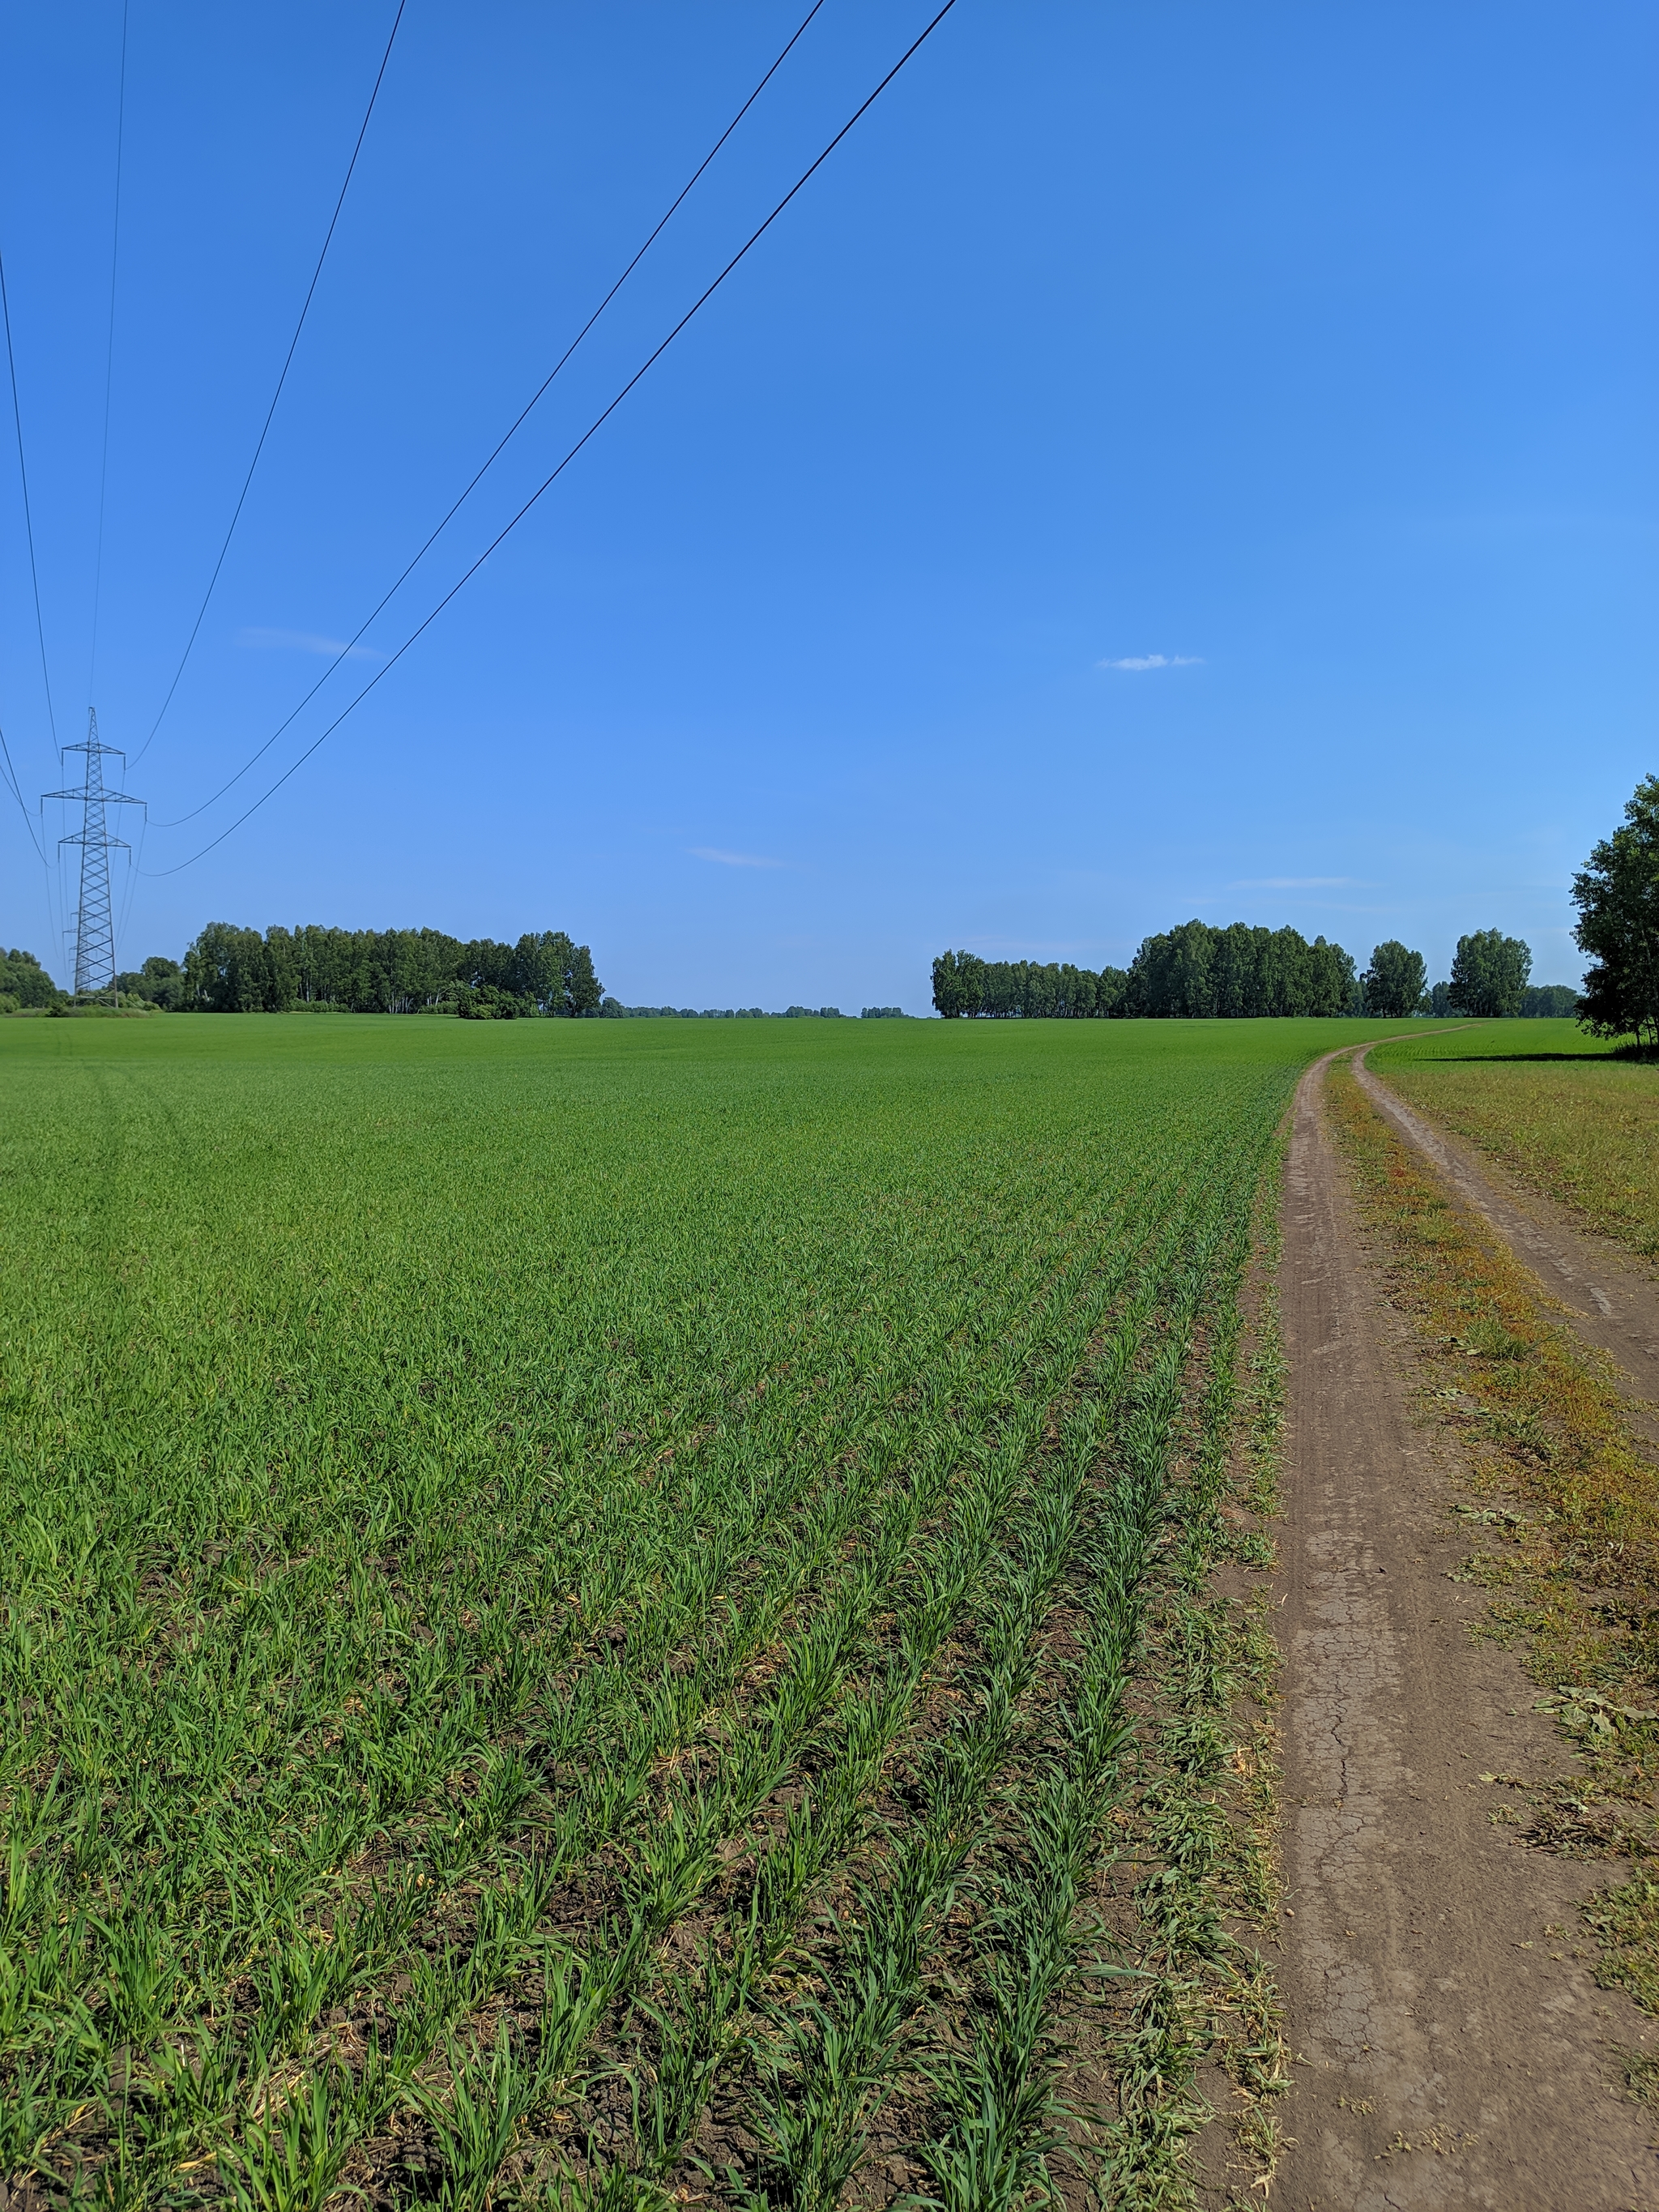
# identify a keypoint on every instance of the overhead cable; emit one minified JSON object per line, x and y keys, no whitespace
{"x":109,"y":352}
{"x":16,"y":789}
{"x":28,"y":518}
{"x":287,"y":360}
{"x":512,"y":430}
{"x":598,"y":421}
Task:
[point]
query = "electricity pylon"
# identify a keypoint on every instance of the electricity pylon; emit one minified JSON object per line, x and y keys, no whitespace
{"x":94,"y":920}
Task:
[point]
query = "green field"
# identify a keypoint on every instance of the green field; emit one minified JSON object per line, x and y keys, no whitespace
{"x":535,"y":1553}
{"x":1555,"y":1107}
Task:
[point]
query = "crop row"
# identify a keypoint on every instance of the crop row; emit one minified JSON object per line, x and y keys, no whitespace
{"x":452,"y":1757}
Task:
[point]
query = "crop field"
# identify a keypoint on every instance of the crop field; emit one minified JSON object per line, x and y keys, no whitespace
{"x":1555,"y":1107}
{"x":570,"y":1589}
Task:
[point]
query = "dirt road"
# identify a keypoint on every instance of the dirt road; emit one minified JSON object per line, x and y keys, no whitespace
{"x":1453,"y":2051}
{"x":1613,"y":1302}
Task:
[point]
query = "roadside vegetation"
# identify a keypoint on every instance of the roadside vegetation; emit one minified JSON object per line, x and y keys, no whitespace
{"x":1563,"y":1513}
{"x":618,"y":1611}
{"x":1566,"y":1115}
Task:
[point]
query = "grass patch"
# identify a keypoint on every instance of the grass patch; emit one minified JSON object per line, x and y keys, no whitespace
{"x":1640,"y":2070}
{"x":1565,"y":1502}
{"x":1562,"y":1113}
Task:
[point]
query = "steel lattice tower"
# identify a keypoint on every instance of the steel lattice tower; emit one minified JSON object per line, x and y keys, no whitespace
{"x":94,"y":921}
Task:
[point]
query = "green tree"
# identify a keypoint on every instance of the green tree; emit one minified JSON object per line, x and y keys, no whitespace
{"x":1392,"y":986}
{"x":958,"y":984}
{"x":375,"y":971}
{"x":25,"y":981}
{"x":159,"y":983}
{"x":1172,"y":972}
{"x":1191,"y":970}
{"x":489,"y":1004}
{"x":1489,"y":974}
{"x":540,"y":961}
{"x":1112,"y":992}
{"x":1332,"y":988}
{"x":1617,"y":895}
{"x":583,"y":994}
{"x":224,"y":970}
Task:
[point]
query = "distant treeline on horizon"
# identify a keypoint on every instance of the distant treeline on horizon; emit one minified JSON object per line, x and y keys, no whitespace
{"x":1200,"y":972}
{"x":1195,"y":970}
{"x":232,"y":970}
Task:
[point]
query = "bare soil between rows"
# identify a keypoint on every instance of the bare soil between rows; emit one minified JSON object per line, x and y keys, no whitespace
{"x":1450,"y":2048}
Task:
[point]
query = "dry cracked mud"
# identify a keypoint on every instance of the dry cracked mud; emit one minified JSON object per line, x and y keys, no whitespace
{"x":1451,"y":2048}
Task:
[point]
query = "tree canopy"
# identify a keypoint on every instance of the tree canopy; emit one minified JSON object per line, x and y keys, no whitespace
{"x":1194,"y":970}
{"x":159,"y":983}
{"x":231,"y":970}
{"x":1489,"y":974}
{"x":25,"y":982}
{"x":1617,"y":895}
{"x":1392,"y":987}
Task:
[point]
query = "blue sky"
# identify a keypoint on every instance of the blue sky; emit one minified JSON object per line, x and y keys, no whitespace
{"x":1169,"y":461}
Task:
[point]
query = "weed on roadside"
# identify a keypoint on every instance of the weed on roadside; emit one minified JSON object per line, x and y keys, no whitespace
{"x":1565,"y":1505}
{"x":1581,"y":1127}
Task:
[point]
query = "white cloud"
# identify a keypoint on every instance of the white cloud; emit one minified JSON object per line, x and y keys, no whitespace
{"x":731,"y":860}
{"x":305,"y":640}
{"x":1138,"y":661}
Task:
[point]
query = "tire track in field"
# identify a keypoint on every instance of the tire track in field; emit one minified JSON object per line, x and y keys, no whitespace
{"x":1613,"y":1303}
{"x":1446,"y":2060}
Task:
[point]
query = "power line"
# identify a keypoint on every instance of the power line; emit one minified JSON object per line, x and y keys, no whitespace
{"x":517,"y":425}
{"x":135,"y":863}
{"x":109,"y":352}
{"x":28,"y":518}
{"x":16,"y":789}
{"x":288,"y":360}
{"x":598,"y":421}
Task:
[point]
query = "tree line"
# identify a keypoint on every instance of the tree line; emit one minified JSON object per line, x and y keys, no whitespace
{"x":24,"y":983}
{"x":1200,"y":972}
{"x":1193,"y":971}
{"x":231,"y":970}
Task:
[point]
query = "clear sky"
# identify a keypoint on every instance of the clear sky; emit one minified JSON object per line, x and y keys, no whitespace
{"x":1171,"y":460}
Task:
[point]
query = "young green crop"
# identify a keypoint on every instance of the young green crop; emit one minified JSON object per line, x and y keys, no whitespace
{"x":489,"y":1506}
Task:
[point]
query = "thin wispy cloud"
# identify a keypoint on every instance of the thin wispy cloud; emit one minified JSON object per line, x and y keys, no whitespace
{"x":305,"y":640}
{"x":1136,"y":662}
{"x":731,"y":860}
{"x":1300,"y":884}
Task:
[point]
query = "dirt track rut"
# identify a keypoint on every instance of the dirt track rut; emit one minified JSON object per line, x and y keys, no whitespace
{"x":1614,"y":1305}
{"x":1451,"y":2051}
